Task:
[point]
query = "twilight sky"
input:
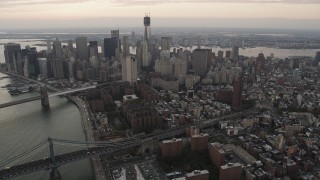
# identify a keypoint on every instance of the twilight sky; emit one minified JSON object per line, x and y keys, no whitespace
{"x":300,"y":14}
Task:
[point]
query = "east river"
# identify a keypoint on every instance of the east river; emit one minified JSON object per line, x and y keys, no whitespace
{"x":250,"y":52}
{"x":26,"y":125}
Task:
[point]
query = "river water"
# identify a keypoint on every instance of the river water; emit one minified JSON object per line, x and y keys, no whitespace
{"x":250,"y":52}
{"x":26,"y":125}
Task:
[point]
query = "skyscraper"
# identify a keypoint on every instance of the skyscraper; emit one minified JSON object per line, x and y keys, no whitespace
{"x":139,"y":51}
{"x":18,"y":62}
{"x":49,"y":46}
{"x":133,"y":37}
{"x":57,"y":50}
{"x":82,"y":48}
{"x":220,"y":55}
{"x":165,"y":43}
{"x":201,"y":59}
{"x":115,"y":34}
{"x":30,"y":56}
{"x":317,"y":58}
{"x":260,"y":63}
{"x":43,"y":67}
{"x":70,"y":46}
{"x":110,"y":46}
{"x":146,"y":56}
{"x":55,"y":68}
{"x":180,"y":67}
{"x":93,"y":48}
{"x":125,"y":50}
{"x":235,"y":53}
{"x":228,"y":55}
{"x":237,"y":92}
{"x":147,"y":28}
{"x":11,"y":60}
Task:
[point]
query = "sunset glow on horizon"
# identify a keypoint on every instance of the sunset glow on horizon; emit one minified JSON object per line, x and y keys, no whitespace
{"x":14,"y":12}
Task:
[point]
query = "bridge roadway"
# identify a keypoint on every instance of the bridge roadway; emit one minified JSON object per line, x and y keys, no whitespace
{"x":169,"y":133}
{"x":32,"y":80}
{"x":47,"y":163}
{"x":21,"y":101}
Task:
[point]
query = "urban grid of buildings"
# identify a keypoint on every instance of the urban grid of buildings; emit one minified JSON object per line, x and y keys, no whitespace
{"x":158,"y":87}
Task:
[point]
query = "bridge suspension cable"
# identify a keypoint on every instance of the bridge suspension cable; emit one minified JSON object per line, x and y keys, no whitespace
{"x":23,"y":155}
{"x":98,"y":143}
{"x":77,"y":143}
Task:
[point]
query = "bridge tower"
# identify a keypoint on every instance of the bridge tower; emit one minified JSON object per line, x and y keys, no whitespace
{"x":45,"y":98}
{"x":54,"y":174}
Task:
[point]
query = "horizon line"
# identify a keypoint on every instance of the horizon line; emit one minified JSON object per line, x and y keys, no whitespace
{"x":172,"y":27}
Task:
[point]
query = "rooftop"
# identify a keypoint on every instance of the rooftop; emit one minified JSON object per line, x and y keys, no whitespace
{"x":231,"y":165}
{"x":196,"y":173}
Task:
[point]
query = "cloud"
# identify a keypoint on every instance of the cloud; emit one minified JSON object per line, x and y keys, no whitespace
{"x":152,"y":2}
{"x":13,"y":3}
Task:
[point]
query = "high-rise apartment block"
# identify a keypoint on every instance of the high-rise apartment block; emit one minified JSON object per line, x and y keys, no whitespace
{"x":230,"y":171}
{"x":171,"y":148}
{"x":217,"y":154}
{"x":199,"y":142}
{"x":129,"y":69}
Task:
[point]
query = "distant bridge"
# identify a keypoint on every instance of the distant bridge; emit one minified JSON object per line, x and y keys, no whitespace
{"x":44,"y":96}
{"x":32,"y":80}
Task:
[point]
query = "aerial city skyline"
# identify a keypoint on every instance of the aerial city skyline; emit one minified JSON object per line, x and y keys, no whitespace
{"x":286,"y":14}
{"x":172,"y":97}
